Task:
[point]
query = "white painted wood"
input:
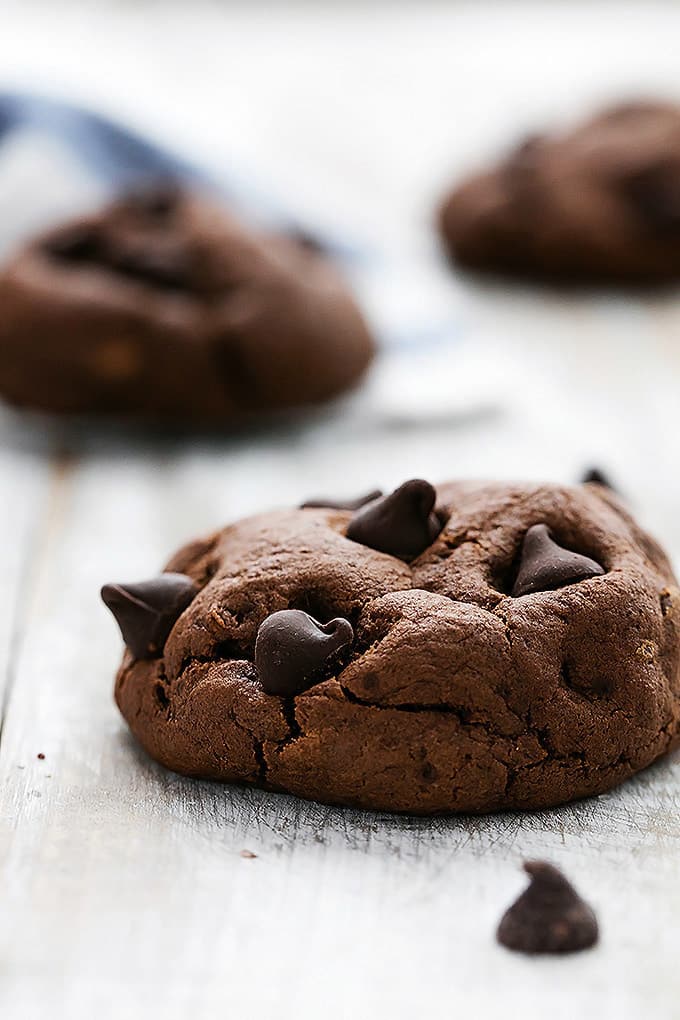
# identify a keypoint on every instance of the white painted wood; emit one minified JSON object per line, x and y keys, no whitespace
{"x":25,"y":491}
{"x":122,"y":888}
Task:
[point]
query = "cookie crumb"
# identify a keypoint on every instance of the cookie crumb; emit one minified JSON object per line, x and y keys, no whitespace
{"x":248,"y":854}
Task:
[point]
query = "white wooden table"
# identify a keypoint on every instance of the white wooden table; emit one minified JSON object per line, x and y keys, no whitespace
{"x":123,"y":892}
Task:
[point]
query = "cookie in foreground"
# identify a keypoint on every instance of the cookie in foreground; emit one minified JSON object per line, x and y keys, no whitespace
{"x":477,"y":647}
{"x":599,"y":203}
{"x":163,"y":308}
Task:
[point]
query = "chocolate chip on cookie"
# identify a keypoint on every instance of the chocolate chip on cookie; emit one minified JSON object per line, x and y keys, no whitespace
{"x":653,"y":191}
{"x":309,"y":242}
{"x":596,"y":476}
{"x":294,"y":651}
{"x":598,"y":203}
{"x":402,"y":524}
{"x":166,"y":266}
{"x":545,"y":565}
{"x":549,"y":916}
{"x":157,"y":199}
{"x":78,"y":242}
{"x":147,"y":611}
{"x":342,"y":504}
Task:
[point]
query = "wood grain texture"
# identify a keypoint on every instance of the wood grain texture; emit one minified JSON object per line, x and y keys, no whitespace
{"x":123,"y":892}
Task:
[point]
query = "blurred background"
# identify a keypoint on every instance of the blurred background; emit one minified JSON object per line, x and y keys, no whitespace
{"x":352,"y":119}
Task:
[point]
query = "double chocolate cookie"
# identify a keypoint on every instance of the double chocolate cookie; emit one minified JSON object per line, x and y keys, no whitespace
{"x":163,"y":307}
{"x":600,"y":203}
{"x":477,"y":647}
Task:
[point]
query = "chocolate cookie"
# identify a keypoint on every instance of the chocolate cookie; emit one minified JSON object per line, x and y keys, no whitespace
{"x":163,"y":307}
{"x":600,"y":203}
{"x":480,"y":647}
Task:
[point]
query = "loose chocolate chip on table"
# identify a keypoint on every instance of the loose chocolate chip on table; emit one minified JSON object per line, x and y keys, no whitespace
{"x":402,"y":524}
{"x":147,"y":611}
{"x":342,"y":504}
{"x":597,"y":477}
{"x":545,"y":565}
{"x":549,"y":916}
{"x":293,"y":651}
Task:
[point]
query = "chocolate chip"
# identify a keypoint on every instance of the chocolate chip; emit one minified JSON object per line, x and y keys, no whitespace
{"x":77,"y":243}
{"x":524,"y":157}
{"x":168,"y":268}
{"x":654,"y":193}
{"x":156,"y":199}
{"x":596,"y":477}
{"x":545,"y":565}
{"x":402,"y":524}
{"x":549,"y":916}
{"x":293,"y":651}
{"x":307,"y":241}
{"x":343,"y":504}
{"x":146,"y":612}
{"x":164,"y":266}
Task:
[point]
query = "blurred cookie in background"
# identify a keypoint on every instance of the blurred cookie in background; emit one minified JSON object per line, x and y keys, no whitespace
{"x":597,"y":204}
{"x":161,"y":307}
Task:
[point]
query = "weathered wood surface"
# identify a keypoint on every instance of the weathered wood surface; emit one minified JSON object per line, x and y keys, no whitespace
{"x":122,"y":888}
